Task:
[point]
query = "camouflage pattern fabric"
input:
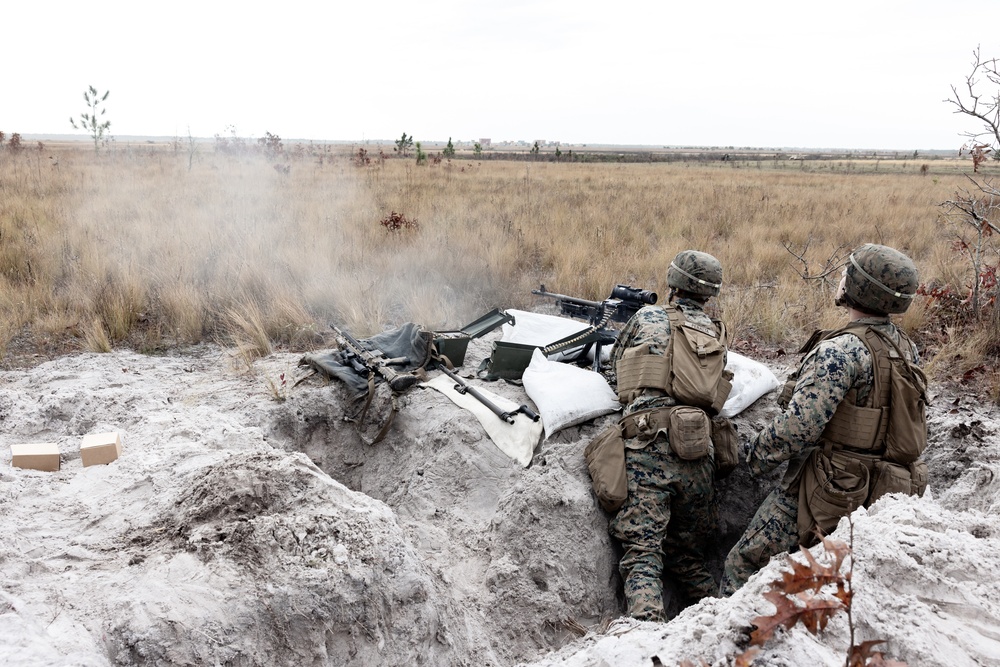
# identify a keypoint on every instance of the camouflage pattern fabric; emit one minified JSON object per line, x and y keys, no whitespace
{"x":772,"y":530}
{"x":881,"y":279}
{"x":827,"y":373}
{"x":651,"y":325}
{"x":670,"y":513}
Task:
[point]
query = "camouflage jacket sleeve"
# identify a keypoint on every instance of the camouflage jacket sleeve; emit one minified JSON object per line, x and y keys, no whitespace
{"x":650,"y":325}
{"x":624,"y":340}
{"x":828,"y":372}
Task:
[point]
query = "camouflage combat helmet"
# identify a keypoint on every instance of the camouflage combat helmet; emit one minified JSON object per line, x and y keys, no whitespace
{"x":880,"y":279}
{"x":695,"y":272}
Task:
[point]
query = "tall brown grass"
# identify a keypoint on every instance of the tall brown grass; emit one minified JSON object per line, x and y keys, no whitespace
{"x":134,"y":247}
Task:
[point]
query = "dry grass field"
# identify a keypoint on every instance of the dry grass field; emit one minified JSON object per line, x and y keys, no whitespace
{"x":156,"y":247}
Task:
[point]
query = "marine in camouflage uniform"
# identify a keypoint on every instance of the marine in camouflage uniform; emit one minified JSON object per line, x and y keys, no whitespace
{"x":826,"y":376}
{"x":670,"y":512}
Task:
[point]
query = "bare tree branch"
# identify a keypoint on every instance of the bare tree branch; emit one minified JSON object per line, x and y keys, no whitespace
{"x":833,"y":263}
{"x":984,"y":107}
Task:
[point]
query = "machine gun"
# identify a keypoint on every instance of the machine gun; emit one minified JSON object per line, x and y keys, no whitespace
{"x":623,"y":303}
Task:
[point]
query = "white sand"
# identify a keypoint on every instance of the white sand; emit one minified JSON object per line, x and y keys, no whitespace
{"x":217,"y":537}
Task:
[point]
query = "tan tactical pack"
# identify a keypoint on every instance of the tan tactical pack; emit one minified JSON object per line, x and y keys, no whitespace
{"x":693,"y":370}
{"x":868,"y":451}
{"x":605,"y":457}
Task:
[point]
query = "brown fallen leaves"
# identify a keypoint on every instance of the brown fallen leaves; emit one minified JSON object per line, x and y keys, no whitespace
{"x":812,"y":593}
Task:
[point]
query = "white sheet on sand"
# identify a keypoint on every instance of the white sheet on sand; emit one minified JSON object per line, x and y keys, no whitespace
{"x":516,"y":440}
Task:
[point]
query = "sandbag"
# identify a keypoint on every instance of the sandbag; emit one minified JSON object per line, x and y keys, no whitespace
{"x":751,"y":380}
{"x":566,"y":395}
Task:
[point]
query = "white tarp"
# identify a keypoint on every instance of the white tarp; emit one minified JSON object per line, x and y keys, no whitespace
{"x":516,"y":440}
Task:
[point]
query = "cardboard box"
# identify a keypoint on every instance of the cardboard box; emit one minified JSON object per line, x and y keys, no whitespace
{"x":39,"y":456}
{"x":100,"y":448}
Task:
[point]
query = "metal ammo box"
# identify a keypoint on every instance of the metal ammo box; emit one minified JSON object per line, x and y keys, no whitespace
{"x":509,"y":360}
{"x":454,"y":344}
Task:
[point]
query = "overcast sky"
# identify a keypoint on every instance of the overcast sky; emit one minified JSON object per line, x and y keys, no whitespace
{"x":846,"y":74}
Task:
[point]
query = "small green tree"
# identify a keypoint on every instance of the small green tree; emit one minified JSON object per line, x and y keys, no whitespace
{"x":404,"y":144}
{"x":477,"y":149}
{"x":535,"y":149}
{"x":421,"y":155}
{"x":90,"y":120}
{"x":449,"y":150}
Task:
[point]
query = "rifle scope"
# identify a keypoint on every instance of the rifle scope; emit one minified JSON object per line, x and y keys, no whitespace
{"x":629,"y":293}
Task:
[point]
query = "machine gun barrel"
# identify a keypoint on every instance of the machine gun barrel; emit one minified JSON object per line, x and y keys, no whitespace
{"x":463,"y":387}
{"x":541,"y":291}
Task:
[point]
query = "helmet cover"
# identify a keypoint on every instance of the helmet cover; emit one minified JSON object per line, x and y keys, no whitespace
{"x":880,"y":279}
{"x":695,"y":272}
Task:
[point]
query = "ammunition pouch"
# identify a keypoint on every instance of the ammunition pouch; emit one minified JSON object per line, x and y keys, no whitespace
{"x":690,"y":433}
{"x":785,"y":395}
{"x":836,"y":482}
{"x":832,"y":486}
{"x":890,"y":477}
{"x":918,"y":477}
{"x":726,"y":442}
{"x":688,"y":430}
{"x":645,"y":425}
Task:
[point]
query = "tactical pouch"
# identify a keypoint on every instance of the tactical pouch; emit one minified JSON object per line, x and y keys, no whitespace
{"x":641,"y":428}
{"x":605,"y":457}
{"x":890,"y":478}
{"x":690,"y":433}
{"x":726,"y":442}
{"x":918,"y":477}
{"x":831,"y":487}
{"x":787,"y":389}
{"x":638,"y":369}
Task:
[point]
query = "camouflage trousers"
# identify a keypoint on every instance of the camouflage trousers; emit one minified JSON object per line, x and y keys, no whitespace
{"x":773,"y":530}
{"x":664,"y":526}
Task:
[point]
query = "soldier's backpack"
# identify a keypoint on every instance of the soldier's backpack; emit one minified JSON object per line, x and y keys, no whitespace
{"x":897,"y":415}
{"x":693,"y":370}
